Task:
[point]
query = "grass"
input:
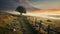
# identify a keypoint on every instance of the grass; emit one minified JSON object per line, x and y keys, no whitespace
{"x":54,"y":23}
{"x":28,"y":28}
{"x":6,"y":19}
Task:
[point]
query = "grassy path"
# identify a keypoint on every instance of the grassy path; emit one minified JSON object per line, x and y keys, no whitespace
{"x":26,"y":27}
{"x":21,"y":26}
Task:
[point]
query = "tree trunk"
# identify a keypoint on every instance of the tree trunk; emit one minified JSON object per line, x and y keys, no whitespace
{"x":20,"y":14}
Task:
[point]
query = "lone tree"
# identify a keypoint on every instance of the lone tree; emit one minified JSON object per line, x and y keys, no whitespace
{"x":21,"y":9}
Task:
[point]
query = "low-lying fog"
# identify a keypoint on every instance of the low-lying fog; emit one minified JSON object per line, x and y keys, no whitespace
{"x":50,"y":16}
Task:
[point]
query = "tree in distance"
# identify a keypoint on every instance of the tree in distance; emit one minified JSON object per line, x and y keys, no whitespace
{"x":21,"y":9}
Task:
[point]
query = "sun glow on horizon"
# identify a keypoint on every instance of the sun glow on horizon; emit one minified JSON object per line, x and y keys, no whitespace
{"x":37,"y":15}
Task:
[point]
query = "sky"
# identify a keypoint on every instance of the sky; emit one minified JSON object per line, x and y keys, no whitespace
{"x":40,"y":8}
{"x":43,"y":6}
{"x":6,"y":5}
{"x":9,"y":5}
{"x":29,"y":4}
{"x":46,"y":4}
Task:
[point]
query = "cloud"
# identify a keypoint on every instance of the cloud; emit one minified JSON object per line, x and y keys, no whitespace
{"x":36,"y":4}
{"x":45,"y":4}
{"x":8,"y":5}
{"x":27,"y":5}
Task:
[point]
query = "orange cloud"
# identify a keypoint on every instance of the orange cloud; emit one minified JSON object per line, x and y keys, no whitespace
{"x":51,"y":11}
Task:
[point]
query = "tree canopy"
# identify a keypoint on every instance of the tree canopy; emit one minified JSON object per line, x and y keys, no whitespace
{"x":21,"y":9}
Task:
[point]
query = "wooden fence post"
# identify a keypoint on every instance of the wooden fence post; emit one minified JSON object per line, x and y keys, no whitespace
{"x":48,"y":29}
{"x":39,"y":26}
{"x":35,"y":21}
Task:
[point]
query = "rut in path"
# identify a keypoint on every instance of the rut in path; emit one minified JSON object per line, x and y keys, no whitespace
{"x":26,"y":27}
